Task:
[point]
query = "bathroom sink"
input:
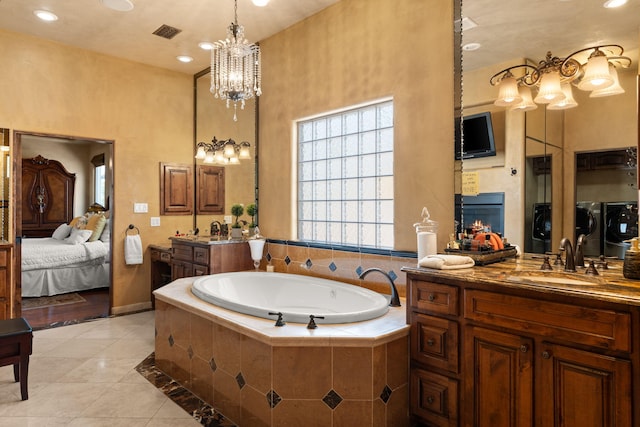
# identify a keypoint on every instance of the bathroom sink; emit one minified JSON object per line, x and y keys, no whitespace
{"x":553,"y":277}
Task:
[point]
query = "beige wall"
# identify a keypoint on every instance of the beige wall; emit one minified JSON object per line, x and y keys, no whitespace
{"x":147,"y":112}
{"x":352,"y":52}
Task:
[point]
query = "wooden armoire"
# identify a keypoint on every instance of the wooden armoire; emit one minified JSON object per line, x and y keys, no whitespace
{"x":47,"y":196}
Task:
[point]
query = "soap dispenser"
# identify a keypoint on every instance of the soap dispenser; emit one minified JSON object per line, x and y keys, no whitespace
{"x":427,"y":231}
{"x":631,"y":266}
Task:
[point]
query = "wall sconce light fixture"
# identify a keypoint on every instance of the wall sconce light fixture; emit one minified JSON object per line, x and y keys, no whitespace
{"x":223,"y":152}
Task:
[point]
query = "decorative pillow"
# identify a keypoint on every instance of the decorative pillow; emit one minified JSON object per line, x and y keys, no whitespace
{"x":106,"y":233}
{"x":78,"y":236}
{"x":79,"y":222}
{"x":96,"y":224}
{"x":62,"y":232}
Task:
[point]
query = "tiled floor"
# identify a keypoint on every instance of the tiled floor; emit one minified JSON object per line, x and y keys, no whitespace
{"x":84,"y":375}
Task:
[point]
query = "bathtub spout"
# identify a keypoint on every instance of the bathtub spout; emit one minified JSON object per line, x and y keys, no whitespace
{"x":395,"y":299}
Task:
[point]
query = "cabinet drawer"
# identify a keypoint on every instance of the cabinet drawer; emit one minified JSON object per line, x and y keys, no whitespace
{"x":201,"y":255}
{"x":434,"y":342}
{"x":434,"y":297}
{"x":4,"y":256}
{"x":200,"y":270}
{"x":165,"y":257}
{"x":434,"y":398}
{"x":596,"y":327}
{"x":160,"y":256}
{"x":183,"y":252}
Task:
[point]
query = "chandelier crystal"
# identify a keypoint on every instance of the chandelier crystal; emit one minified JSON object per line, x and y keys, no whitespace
{"x":235,"y":67}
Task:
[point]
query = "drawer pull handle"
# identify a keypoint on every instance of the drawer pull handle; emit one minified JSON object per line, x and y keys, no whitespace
{"x":431,"y":342}
{"x":430,"y":400}
{"x":431,"y":297}
{"x":524,"y":348}
{"x":546,"y":355}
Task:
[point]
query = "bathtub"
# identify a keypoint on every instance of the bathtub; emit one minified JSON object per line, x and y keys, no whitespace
{"x":295,"y":296}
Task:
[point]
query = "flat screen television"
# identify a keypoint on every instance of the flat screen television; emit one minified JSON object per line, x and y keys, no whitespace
{"x":478,"y":137}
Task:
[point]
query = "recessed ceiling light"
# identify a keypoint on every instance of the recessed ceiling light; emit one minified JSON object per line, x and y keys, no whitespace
{"x":45,"y":15}
{"x":206,"y":45}
{"x":119,"y":5}
{"x":184,"y":58}
{"x":260,"y":2}
{"x":610,"y":4}
{"x":471,"y":46}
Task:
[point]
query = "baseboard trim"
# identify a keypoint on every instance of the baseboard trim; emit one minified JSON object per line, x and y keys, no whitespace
{"x":131,"y":308}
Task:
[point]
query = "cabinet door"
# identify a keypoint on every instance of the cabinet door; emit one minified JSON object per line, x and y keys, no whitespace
{"x":176,"y":189}
{"x":434,"y":342}
{"x":434,"y":398}
{"x":180,"y":269}
{"x":210,"y":189}
{"x":498,"y":378}
{"x":583,"y":389}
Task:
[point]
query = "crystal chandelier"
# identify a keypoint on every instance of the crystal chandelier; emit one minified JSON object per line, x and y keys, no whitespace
{"x":235,"y":67}
{"x":554,"y":78}
{"x":223,"y":152}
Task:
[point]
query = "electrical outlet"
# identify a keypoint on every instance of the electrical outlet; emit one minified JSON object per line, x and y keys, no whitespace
{"x":155,"y":221}
{"x":228,"y":219}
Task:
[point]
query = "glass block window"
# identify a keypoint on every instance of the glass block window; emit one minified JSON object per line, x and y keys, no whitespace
{"x":345,"y":177}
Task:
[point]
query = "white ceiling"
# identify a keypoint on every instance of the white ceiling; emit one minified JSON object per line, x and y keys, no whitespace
{"x":88,"y":24}
{"x":506,"y":29}
{"x":529,"y":28}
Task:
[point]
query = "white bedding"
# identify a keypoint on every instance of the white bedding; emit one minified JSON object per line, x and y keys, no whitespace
{"x":47,"y":252}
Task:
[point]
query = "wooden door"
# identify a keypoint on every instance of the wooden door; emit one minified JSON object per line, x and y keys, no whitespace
{"x":583,"y":389}
{"x":176,"y":189}
{"x":498,"y":379}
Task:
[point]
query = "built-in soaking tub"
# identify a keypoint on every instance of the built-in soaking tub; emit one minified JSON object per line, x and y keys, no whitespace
{"x":295,"y":296}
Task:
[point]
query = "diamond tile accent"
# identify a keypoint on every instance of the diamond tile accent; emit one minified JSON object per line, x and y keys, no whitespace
{"x":332,"y":399}
{"x":333,"y":266}
{"x":268,"y":257}
{"x":308,"y":263}
{"x":240,"y":380}
{"x":171,"y":341}
{"x":386,"y":394}
{"x":287,"y":260}
{"x":359,"y":270}
{"x":393,"y":275}
{"x":273,"y":399}
{"x":212,"y":365}
{"x":190,"y":352}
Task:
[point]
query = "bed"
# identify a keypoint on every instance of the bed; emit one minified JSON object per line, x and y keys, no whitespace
{"x":72,"y":260}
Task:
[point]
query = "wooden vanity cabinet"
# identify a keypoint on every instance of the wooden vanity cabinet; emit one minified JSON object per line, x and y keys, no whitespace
{"x":192,"y":258}
{"x":492,"y":356}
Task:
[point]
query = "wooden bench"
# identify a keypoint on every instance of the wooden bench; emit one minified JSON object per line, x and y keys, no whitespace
{"x":16,"y":337}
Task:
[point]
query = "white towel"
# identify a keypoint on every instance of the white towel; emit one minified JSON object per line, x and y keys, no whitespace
{"x":446,"y":262}
{"x":133,"y":249}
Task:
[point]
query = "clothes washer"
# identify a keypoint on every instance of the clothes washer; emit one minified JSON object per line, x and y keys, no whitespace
{"x":589,"y":222}
{"x":621,"y":223}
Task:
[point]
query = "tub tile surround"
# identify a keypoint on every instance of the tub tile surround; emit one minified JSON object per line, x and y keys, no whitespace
{"x":260,"y":375}
{"x":339,"y":263}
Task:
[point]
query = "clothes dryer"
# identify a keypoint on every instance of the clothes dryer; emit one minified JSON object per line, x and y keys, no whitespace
{"x":621,"y":224}
{"x":589,"y":222}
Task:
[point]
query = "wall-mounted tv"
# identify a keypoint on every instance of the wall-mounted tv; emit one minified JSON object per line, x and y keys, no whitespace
{"x":478,"y":136}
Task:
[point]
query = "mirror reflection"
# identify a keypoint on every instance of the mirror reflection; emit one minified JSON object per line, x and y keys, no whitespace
{"x":559,"y":170}
{"x":214,"y":120}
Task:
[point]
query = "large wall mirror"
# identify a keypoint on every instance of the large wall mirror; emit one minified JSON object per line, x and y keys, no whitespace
{"x":559,"y":173}
{"x":214,"y":119}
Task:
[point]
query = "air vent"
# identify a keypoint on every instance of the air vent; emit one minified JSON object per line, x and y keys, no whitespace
{"x":166,"y":31}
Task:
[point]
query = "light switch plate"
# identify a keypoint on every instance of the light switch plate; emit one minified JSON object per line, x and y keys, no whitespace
{"x":155,"y":221}
{"x":140,"y":208}
{"x":227,"y":219}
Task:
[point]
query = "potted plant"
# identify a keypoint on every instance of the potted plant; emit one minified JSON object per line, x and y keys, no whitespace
{"x":252,"y":210}
{"x":236,"y":229}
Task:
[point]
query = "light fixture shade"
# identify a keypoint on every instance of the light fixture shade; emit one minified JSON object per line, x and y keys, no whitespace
{"x":508,"y":92}
{"x":567,"y":102}
{"x":229,"y":149}
{"x":219,"y":157}
{"x":596,"y":75}
{"x":614,"y":89}
{"x":245,"y":153}
{"x":527,"y":103}
{"x":550,"y":90}
{"x":209,"y":157}
{"x":201,"y":153}
{"x":234,"y":160}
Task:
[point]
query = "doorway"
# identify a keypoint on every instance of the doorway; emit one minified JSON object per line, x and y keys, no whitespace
{"x":53,"y":295}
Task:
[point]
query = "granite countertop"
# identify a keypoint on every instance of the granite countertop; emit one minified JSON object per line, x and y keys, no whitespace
{"x":524,"y":273}
{"x":207,"y":240}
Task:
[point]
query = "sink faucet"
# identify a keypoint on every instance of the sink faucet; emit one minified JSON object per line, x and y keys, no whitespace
{"x":579,"y":257}
{"x":395,"y":300}
{"x":215,"y":228}
{"x":565,"y":245}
